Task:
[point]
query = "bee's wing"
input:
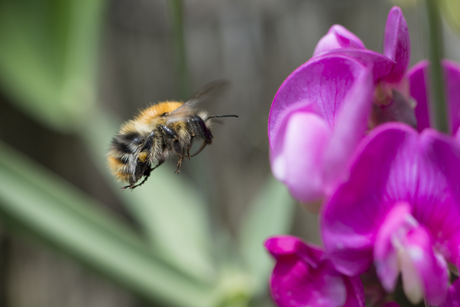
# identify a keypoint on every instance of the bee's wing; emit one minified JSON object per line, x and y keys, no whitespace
{"x":208,"y":92}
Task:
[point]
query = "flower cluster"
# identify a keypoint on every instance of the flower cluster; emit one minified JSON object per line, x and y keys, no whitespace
{"x":350,"y":137}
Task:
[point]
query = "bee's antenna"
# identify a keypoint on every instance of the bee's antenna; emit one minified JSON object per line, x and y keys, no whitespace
{"x":218,"y":116}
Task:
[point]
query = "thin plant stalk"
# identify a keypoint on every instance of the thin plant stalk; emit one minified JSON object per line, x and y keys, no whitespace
{"x":438,"y":108}
{"x":176,"y":10}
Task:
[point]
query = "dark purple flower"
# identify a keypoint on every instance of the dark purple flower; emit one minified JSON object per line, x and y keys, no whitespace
{"x":400,"y":209}
{"x":303,"y":277}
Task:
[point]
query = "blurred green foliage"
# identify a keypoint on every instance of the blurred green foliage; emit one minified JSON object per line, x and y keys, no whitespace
{"x":49,"y":56}
{"x":48,"y":61}
{"x":451,"y":10}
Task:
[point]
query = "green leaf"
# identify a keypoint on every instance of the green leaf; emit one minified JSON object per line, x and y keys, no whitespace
{"x":270,"y":214}
{"x":48,"y":58}
{"x":51,"y":210}
{"x":172,"y":213}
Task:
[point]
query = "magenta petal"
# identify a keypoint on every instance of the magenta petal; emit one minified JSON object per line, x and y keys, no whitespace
{"x":336,"y":38}
{"x":396,"y":45}
{"x":287,"y":245}
{"x":355,"y":292}
{"x":300,"y":278}
{"x":437,"y":205}
{"x":346,"y":136}
{"x":321,"y":83}
{"x":453,"y":295}
{"x":452,"y":80}
{"x":418,"y":90}
{"x":418,"y":78}
{"x":381,"y":174}
{"x":381,"y":65}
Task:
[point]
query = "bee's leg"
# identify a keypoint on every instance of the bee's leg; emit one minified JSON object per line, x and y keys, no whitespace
{"x":146,"y":176}
{"x":188,"y":150}
{"x":188,"y":146}
{"x":179,"y":163}
{"x":180,"y":154}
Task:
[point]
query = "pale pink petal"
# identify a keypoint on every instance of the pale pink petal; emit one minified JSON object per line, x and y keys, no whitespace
{"x":428,"y":269}
{"x":385,"y":256}
{"x":396,"y":45}
{"x":336,"y":38}
{"x":402,"y":244}
{"x":297,"y":158}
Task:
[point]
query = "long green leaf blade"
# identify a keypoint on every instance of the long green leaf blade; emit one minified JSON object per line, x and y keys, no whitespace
{"x":48,"y":59}
{"x":52,"y":211}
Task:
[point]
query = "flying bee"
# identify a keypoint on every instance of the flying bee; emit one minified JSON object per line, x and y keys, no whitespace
{"x":164,"y":129}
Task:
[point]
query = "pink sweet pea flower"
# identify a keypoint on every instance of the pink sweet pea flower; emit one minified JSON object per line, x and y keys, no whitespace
{"x":400,"y":209}
{"x":418,"y":77}
{"x":321,"y":111}
{"x":303,"y":277}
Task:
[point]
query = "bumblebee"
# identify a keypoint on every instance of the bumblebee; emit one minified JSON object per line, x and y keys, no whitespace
{"x":162,"y":130}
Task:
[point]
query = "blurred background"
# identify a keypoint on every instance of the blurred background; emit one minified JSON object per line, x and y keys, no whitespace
{"x":71,"y":71}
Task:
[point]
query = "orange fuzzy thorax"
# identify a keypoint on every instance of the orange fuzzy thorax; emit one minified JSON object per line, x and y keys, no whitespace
{"x":147,"y":115}
{"x":150,"y":118}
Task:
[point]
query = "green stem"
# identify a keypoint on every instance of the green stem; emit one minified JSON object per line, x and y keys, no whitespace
{"x":177,"y":17}
{"x":438,"y":109}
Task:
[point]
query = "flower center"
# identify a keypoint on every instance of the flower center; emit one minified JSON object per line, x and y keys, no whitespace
{"x":403,"y":245}
{"x":392,"y":103}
